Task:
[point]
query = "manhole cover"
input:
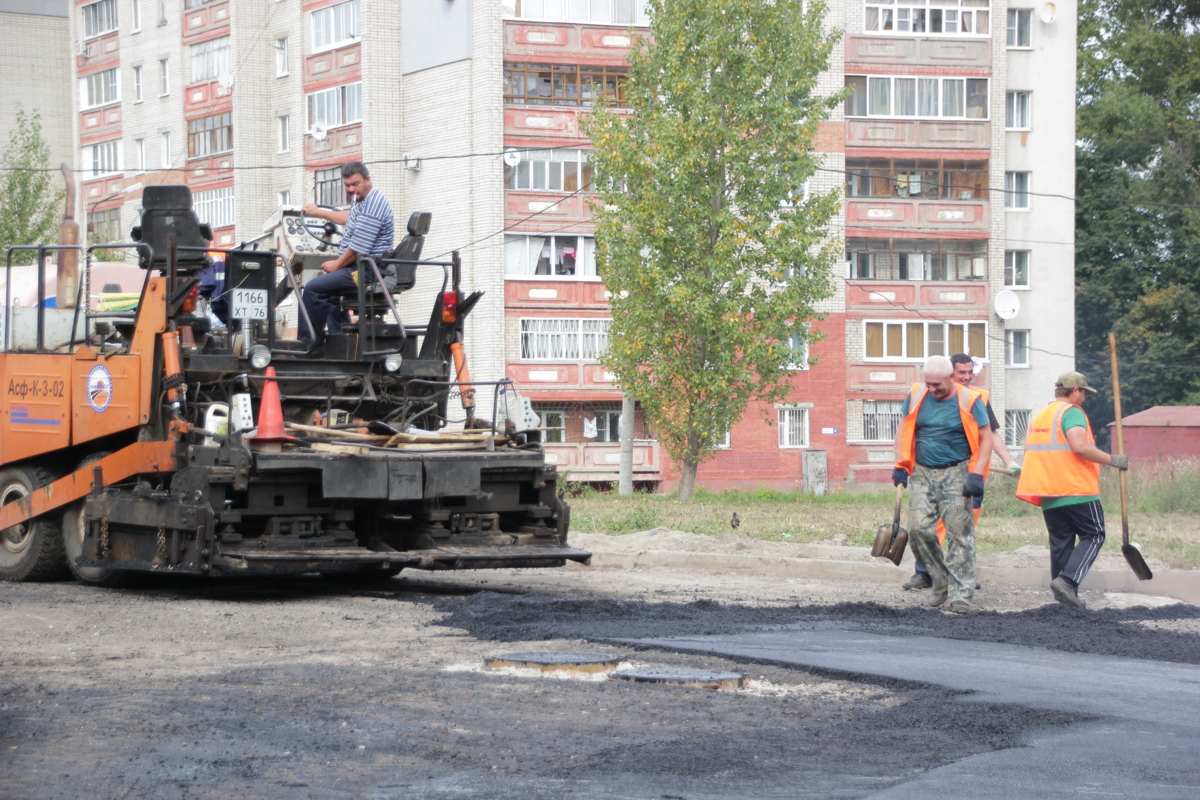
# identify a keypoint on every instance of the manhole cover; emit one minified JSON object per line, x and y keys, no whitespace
{"x":689,"y":677}
{"x":555,"y":660}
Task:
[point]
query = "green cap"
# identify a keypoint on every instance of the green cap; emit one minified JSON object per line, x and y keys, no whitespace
{"x":1073,"y":380}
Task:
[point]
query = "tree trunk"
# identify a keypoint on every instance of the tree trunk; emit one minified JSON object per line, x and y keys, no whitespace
{"x":687,"y":480}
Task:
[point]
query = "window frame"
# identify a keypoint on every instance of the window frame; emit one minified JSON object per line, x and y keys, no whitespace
{"x":135,"y":7}
{"x":139,"y":150}
{"x":113,"y":18}
{"x":334,"y":44}
{"x":111,"y":84}
{"x":221,"y":200}
{"x":892,"y":419}
{"x":940,"y":99}
{"x":114,"y":158}
{"x":572,"y":75}
{"x":544,"y":412}
{"x":285,"y":197}
{"x":1010,"y":346}
{"x":328,"y":187}
{"x":783,"y":410}
{"x":528,"y":166}
{"x":574,"y":347}
{"x":586,"y":272}
{"x":164,"y":77}
{"x":111,"y":219}
{"x":640,"y":16}
{"x":345,"y":92}
{"x":1016,"y":421}
{"x":216,"y":59}
{"x":864,"y":175}
{"x":899,"y":258}
{"x":281,"y":57}
{"x":1012,"y":106}
{"x":1012,"y":194}
{"x":138,"y":94}
{"x":284,"y":131}
{"x":912,"y":5}
{"x":799,"y":360}
{"x":1018,"y":21}
{"x":1010,"y":269}
{"x":926,"y":325}
{"x":164,"y":143}
{"x":211,"y":134}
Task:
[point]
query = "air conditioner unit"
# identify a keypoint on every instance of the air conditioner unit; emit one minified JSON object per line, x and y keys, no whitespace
{"x":412,"y":161}
{"x":84,"y":50}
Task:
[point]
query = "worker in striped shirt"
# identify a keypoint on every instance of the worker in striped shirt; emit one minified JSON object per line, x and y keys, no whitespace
{"x":369,"y":231}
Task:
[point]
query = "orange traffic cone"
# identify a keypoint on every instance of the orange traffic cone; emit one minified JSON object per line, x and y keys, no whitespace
{"x":270,"y":415}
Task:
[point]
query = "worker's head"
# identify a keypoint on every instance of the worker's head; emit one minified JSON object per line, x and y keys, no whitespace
{"x":356,"y":179}
{"x":1072,"y":387}
{"x":939,"y":376}
{"x":964,"y":368}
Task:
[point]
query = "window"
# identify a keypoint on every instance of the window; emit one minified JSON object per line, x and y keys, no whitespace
{"x":560,"y":339}
{"x":328,"y":188}
{"x":281,"y":57}
{"x":1020,"y":25}
{"x":166,"y":150}
{"x":917,"y":259}
{"x":562,"y":170}
{"x":285,"y":135}
{"x":1016,"y":427}
{"x":799,"y":348}
{"x":937,"y":17}
{"x":1016,"y":268}
{"x":197,"y":3}
{"x":916,"y":341}
{"x":164,"y":77}
{"x":103,"y":158}
{"x":285,"y":197}
{"x":933,"y":98}
{"x":99,"y":18}
{"x":210,"y":135}
{"x":100,"y":88}
{"x":1016,"y":113}
{"x":215,"y":206}
{"x":793,"y":427}
{"x":558,"y":256}
{"x":622,"y":12}
{"x":881,"y":419}
{"x":724,"y":441}
{"x":136,"y":8}
{"x":1016,"y":350}
{"x":105,"y":226}
{"x":162,"y":12}
{"x":139,"y":154}
{"x":553,"y":418}
{"x":210,"y":60}
{"x":137,"y":84}
{"x":564,"y":85}
{"x":795,"y":197}
{"x":608,"y":426}
{"x":1016,"y":190}
{"x":340,"y":105}
{"x":923,"y":179}
{"x":335,"y":25}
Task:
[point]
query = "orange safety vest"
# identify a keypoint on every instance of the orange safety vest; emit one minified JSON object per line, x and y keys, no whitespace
{"x":908,"y":427}
{"x":1051,"y":469}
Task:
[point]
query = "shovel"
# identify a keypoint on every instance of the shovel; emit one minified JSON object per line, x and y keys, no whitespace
{"x":890,"y":540}
{"x":1131,"y":552}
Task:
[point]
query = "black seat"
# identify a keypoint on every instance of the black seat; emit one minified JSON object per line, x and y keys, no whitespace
{"x":401,"y":260}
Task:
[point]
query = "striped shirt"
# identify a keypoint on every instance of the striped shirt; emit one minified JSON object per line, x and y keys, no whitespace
{"x":371,"y":227}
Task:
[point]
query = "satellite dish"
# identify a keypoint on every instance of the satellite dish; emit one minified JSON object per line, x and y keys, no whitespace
{"x":512,"y":158}
{"x":225,"y":80}
{"x":1047,"y":13}
{"x":1007,"y":305}
{"x":319,"y":132}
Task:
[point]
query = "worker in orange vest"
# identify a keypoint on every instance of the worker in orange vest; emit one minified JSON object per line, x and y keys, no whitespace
{"x":1062,"y":475}
{"x":943,"y":446}
{"x":964,"y":373}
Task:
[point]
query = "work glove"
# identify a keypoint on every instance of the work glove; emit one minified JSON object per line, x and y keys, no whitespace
{"x":1016,"y":470}
{"x":1120,"y":461}
{"x":973,"y":486}
{"x":900,"y":477}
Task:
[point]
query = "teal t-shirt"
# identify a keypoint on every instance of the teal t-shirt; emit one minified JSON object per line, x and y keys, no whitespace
{"x":1071,"y":418}
{"x":940,"y":435}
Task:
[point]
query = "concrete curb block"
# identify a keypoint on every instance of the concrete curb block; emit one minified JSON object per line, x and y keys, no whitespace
{"x":1180,"y":584}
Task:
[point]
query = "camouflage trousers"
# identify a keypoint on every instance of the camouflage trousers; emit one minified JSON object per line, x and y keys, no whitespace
{"x":934,"y":494}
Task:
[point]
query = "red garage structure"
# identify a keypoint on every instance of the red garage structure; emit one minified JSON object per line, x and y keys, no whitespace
{"x":1163,"y":432}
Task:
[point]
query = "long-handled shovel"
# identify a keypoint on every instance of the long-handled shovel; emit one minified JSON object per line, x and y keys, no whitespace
{"x":890,"y":540}
{"x":1131,"y":552}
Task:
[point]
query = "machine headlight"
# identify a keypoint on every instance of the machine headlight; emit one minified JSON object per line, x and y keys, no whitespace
{"x":260,"y":356}
{"x":392,"y":363}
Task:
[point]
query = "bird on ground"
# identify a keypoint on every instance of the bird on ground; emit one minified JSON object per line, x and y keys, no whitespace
{"x":735,"y":520}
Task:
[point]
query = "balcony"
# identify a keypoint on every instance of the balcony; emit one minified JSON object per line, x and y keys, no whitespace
{"x":919,"y":133}
{"x":912,"y":51}
{"x":601,"y":461}
{"x":205,"y":18}
{"x":897,"y":214}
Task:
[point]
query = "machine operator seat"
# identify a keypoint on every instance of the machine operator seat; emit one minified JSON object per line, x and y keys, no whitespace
{"x":400,"y":262}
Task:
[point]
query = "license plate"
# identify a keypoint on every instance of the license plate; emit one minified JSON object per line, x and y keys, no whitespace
{"x":249,"y":303}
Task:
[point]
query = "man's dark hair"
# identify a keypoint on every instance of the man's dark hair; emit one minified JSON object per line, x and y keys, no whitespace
{"x":1062,"y":391}
{"x":354,"y":168}
{"x":962,"y":358}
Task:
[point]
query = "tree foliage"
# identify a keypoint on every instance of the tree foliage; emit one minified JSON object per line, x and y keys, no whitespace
{"x":710,"y":266}
{"x":1138,"y":265}
{"x":29,"y":200}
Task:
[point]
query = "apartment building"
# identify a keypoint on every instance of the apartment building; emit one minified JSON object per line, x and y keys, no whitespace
{"x":958,"y":130}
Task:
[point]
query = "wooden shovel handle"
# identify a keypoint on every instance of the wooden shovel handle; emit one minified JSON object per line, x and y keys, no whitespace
{"x":1112,"y":353}
{"x":896,"y":515}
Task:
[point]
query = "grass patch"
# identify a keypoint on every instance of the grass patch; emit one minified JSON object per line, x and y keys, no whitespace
{"x":1164,"y":508}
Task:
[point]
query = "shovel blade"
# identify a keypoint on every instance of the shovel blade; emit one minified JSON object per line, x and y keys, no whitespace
{"x":1136,"y":562}
{"x":899,"y":543}
{"x":883,"y":542}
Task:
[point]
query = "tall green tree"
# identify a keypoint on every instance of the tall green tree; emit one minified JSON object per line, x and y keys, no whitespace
{"x":713,"y":260}
{"x":1138,"y":257}
{"x":29,"y":200}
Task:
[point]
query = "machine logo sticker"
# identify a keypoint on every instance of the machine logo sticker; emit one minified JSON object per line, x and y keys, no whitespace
{"x":99,"y":388}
